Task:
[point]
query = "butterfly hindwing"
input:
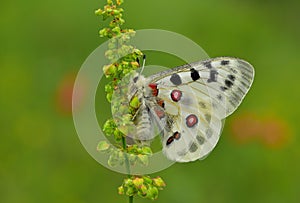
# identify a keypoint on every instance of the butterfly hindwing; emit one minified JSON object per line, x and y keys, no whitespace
{"x":196,"y":98}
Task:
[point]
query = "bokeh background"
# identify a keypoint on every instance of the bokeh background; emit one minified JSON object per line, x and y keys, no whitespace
{"x":44,"y":43}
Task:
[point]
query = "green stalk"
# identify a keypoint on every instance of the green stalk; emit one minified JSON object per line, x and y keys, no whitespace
{"x":127,"y":164}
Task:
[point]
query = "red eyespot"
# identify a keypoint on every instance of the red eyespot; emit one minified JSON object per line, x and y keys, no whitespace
{"x":176,"y":95}
{"x":191,"y":120}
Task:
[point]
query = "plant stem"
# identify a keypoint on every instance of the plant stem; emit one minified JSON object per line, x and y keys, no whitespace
{"x":127,"y":164}
{"x":126,"y":157}
{"x":130,"y":199}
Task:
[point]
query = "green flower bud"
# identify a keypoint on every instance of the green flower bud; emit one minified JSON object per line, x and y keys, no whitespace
{"x":112,"y":160}
{"x":119,"y":2}
{"x":116,"y":12}
{"x":134,"y":64}
{"x":109,"y":127}
{"x":98,"y":12}
{"x":103,"y":32}
{"x":116,"y":30}
{"x":143,"y":190}
{"x":130,"y":191}
{"x":128,"y":182}
{"x":108,"y":97}
{"x":118,"y":135}
{"x":103,"y":146}
{"x":146,"y":151}
{"x":147,"y":180}
{"x":159,"y":182}
{"x":138,"y":182}
{"x":109,"y":69}
{"x":121,"y":21}
{"x":121,"y":190}
{"x":152,"y":193}
{"x":132,"y":159}
{"x":108,"y":10}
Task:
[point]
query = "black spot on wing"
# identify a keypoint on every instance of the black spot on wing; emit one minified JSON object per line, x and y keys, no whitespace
{"x":200,"y":139}
{"x":202,"y":105}
{"x":223,"y":88}
{"x":208,"y":132}
{"x":231,"y":77}
{"x":170,"y":140}
{"x":175,"y":79}
{"x":224,"y":62}
{"x":207,"y":117}
{"x":193,"y":147}
{"x":219,"y":97}
{"x":228,"y":83}
{"x":194,"y":74}
{"x":207,"y":64}
{"x":213,"y":76}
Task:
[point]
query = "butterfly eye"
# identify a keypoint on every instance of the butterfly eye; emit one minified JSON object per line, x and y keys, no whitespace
{"x":135,"y":79}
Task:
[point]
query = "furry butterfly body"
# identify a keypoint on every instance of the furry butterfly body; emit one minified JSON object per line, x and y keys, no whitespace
{"x":187,"y":104}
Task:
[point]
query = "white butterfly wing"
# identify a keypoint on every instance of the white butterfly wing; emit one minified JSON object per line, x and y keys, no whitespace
{"x":197,"y":97}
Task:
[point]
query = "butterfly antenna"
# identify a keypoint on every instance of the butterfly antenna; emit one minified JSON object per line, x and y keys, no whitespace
{"x":144,"y":61}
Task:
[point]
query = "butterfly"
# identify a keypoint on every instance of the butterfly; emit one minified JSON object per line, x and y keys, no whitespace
{"x":186,"y":105}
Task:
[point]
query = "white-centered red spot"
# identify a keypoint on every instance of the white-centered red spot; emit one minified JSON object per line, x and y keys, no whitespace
{"x":176,"y":95}
{"x":191,"y":120}
{"x":153,"y":86}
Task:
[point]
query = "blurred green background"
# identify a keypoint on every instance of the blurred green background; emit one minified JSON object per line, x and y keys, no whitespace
{"x":44,"y":43}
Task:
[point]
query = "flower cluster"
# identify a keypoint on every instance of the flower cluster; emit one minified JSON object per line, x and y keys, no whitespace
{"x":142,"y":186}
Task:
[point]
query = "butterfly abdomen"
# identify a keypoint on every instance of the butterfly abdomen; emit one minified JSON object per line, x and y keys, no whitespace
{"x":143,"y":124}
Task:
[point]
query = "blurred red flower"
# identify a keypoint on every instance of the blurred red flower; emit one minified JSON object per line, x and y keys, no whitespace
{"x":271,"y":131}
